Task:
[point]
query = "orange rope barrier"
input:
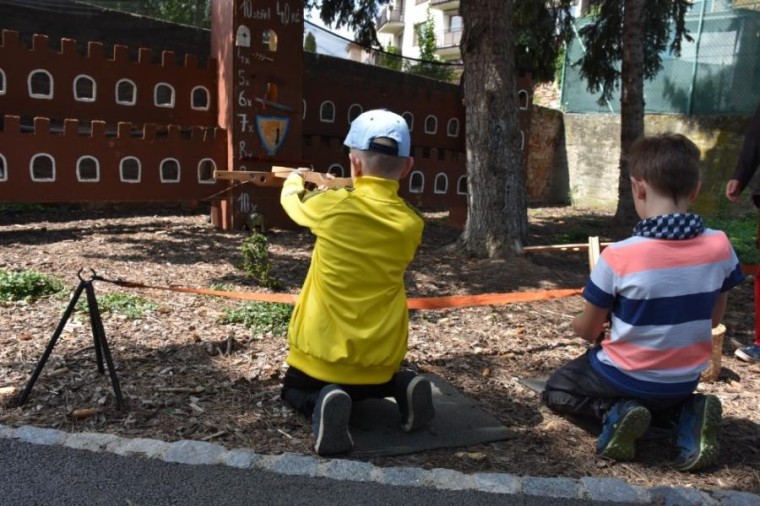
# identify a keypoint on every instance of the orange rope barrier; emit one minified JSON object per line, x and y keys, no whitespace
{"x":488,"y":299}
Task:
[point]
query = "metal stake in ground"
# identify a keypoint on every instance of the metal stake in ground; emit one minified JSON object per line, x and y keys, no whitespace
{"x":98,"y":333}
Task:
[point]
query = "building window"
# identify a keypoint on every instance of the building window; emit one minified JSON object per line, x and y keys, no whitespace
{"x":431,"y":124}
{"x":3,"y":168}
{"x":163,"y":95}
{"x":85,"y":89}
{"x":169,"y":171}
{"x":462,"y":185}
{"x":353,"y":112}
{"x":206,"y":168}
{"x":200,"y":101}
{"x":2,"y":82}
{"x":336,"y":170}
{"x":441,"y":183}
{"x":416,"y":182}
{"x":452,"y":129}
{"x":327,"y":112}
{"x":88,"y":169}
{"x":126,"y":92}
{"x":522,"y":140}
{"x":129,"y":170}
{"x":523,"y":98}
{"x":416,"y":35}
{"x":409,"y":118}
{"x":40,"y":84}
{"x":42,"y":168}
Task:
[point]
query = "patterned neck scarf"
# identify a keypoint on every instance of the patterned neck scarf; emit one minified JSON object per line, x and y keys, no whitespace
{"x":671,"y":226}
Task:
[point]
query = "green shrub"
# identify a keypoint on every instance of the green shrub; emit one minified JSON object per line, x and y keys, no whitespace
{"x":133,"y":307}
{"x":261,"y":317}
{"x":256,"y":262}
{"x":27,"y":285}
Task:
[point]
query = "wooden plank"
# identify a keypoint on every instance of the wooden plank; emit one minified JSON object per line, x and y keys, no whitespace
{"x":548,"y":248}
{"x":594,"y":250}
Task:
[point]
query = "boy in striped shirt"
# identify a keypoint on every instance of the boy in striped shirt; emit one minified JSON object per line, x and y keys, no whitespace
{"x":662,"y":290}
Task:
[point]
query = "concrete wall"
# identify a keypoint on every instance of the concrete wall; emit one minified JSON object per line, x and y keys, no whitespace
{"x":546,"y":180}
{"x":592,"y":152}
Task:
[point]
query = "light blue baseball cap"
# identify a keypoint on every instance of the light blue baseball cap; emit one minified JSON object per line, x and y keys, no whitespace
{"x":377,"y":123}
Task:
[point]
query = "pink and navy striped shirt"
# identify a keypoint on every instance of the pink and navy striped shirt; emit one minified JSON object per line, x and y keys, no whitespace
{"x":661,"y":294}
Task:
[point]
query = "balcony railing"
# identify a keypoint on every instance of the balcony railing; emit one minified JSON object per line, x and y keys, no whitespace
{"x":389,"y":16}
{"x":438,"y":3}
{"x":449,"y":38}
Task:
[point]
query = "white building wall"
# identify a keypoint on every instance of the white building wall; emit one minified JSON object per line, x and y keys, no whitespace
{"x":414,"y":14}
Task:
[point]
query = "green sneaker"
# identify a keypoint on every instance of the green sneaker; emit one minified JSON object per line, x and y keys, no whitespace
{"x":623,"y":424}
{"x":698,"y":428}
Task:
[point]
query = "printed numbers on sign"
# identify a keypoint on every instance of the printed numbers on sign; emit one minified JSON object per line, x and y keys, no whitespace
{"x":243,"y":101}
{"x":245,"y":125}
{"x":247,"y":7}
{"x":285,"y":14}
{"x":242,"y":81}
{"x":242,"y":152}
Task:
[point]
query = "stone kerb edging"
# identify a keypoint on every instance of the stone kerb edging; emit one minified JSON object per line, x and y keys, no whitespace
{"x":607,"y":490}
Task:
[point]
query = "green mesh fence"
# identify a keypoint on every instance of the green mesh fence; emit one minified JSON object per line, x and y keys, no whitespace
{"x":717,"y":73}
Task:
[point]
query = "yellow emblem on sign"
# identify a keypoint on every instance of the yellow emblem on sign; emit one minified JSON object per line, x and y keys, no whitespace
{"x":272,"y":131}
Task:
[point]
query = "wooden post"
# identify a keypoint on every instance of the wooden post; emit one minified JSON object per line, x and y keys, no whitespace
{"x":594,"y":250}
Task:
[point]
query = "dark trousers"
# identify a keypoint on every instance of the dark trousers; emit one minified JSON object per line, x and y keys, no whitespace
{"x":577,"y":389}
{"x":301,"y":390}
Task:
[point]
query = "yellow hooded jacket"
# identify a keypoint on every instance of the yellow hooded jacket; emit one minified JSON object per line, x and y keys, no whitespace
{"x":351,"y":323}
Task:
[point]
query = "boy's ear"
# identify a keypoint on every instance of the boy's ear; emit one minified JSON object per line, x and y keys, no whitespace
{"x":638,"y":187}
{"x":408,"y":164}
{"x":695,"y":193}
{"x":356,"y":165}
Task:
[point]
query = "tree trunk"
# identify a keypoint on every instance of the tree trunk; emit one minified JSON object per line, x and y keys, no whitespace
{"x":497,"y":212}
{"x":631,"y":101}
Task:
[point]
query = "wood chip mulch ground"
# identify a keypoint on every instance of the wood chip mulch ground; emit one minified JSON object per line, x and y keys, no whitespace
{"x":187,"y":376}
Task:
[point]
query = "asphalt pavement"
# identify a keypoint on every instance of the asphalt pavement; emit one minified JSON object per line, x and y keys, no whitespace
{"x":49,"y":467}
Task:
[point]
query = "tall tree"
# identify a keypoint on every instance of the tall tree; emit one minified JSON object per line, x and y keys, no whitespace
{"x":624,"y":42}
{"x":430,"y":66}
{"x":497,"y":215}
{"x":188,"y":12}
{"x":310,"y":43}
{"x":390,"y":58}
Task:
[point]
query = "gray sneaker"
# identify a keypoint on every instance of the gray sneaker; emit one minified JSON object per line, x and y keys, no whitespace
{"x":330,"y":421}
{"x":749,"y":353}
{"x":414,"y":396}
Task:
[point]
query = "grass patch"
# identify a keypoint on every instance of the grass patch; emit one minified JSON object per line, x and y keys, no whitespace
{"x":261,"y":317}
{"x":27,"y":285}
{"x":133,"y":307}
{"x":741,"y":231}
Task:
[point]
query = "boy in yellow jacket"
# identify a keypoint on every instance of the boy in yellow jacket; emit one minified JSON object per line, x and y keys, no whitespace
{"x":348,"y":333}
